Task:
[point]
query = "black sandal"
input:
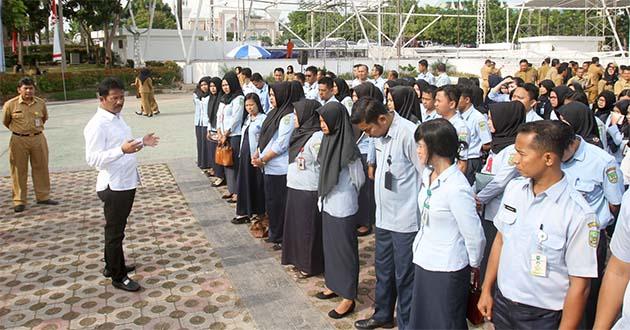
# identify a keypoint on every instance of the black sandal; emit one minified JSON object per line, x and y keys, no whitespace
{"x":240,"y":221}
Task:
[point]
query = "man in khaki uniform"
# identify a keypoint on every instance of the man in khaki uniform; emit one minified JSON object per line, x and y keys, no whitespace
{"x":552,"y":73}
{"x":25,"y":116}
{"x":527,"y":73}
{"x":595,"y":73}
{"x":581,"y":78}
{"x":624,"y":81}
{"x":486,"y":70}
{"x":544,"y":68}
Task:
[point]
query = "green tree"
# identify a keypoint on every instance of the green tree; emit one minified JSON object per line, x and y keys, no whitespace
{"x":163,"y":17}
{"x":27,"y":18}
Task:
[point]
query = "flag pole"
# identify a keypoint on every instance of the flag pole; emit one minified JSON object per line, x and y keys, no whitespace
{"x":59,"y":42}
{"x":2,"y":69}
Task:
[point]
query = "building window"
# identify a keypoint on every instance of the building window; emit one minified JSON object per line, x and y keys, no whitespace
{"x":120,"y":44}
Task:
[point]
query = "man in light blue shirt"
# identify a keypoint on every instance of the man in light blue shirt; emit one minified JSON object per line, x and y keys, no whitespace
{"x":443,"y":79}
{"x":495,"y":93}
{"x":262,"y":89}
{"x":528,"y":95}
{"x":424,"y":73}
{"x":377,"y":80}
{"x":325,"y":91}
{"x":397,"y":178}
{"x":310,"y":85}
{"x":480,"y":137}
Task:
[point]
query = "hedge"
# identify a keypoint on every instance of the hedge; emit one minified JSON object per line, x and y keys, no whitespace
{"x":51,"y":82}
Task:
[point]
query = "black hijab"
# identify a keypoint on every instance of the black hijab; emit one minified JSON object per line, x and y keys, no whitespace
{"x":561,"y":92}
{"x":235,"y":87}
{"x":282,"y":92}
{"x":422,"y":86}
{"x":215,"y":99}
{"x":144,"y":74}
{"x":623,"y":108}
{"x":198,"y":92}
{"x":338,"y":148}
{"x":604,"y":112}
{"x":549,"y":85}
{"x":580,"y":117}
{"x":368,"y":90}
{"x":308,"y":121}
{"x":506,"y":118}
{"x":611,"y":79}
{"x":342,"y":89}
{"x":406,"y":102}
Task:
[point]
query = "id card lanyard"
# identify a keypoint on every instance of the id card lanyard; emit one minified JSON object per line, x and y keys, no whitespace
{"x":539,"y":259}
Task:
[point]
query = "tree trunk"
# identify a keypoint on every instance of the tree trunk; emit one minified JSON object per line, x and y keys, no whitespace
{"x":109,"y":38}
{"x":20,"y":53}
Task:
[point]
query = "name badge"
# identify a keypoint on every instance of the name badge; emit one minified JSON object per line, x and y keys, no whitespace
{"x":38,"y":122}
{"x":301,"y":163}
{"x":538,"y":265}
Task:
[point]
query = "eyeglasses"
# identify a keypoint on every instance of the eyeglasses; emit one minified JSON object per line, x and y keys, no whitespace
{"x":308,"y":75}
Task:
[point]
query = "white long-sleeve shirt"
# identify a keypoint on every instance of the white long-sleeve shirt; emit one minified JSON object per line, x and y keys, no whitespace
{"x":104,"y":136}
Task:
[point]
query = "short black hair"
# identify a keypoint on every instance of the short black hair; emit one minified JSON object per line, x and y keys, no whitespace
{"x":432,"y":89}
{"x":625,"y":92}
{"x":564,"y":66}
{"x":363,"y":65}
{"x":518,"y":81}
{"x":624,"y":68}
{"x":424,"y":63}
{"x":441,"y":139}
{"x":322,"y":71}
{"x":532,"y":90}
{"x":547,"y":60}
{"x":326,"y":81}
{"x":595,"y":59}
{"x":26,"y":81}
{"x":488,"y":61}
{"x":108,"y":84}
{"x":312,"y":69}
{"x":451,"y":91}
{"x":466,"y":91}
{"x":523,"y":61}
{"x":367,"y":110}
{"x":247,"y":72}
{"x":441,"y":67}
{"x":555,"y":62}
{"x":356,"y":66}
{"x":279,"y":69}
{"x":378,"y":68}
{"x":238,"y":69}
{"x":394,"y":73}
{"x":300,"y":76}
{"x":550,"y":135}
{"x":257,"y":77}
{"x":331,"y":74}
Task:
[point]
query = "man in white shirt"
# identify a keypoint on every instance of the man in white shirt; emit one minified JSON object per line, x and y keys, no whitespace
{"x":262,"y":89}
{"x":528,"y":95}
{"x":110,"y":148}
{"x":428,"y":102}
{"x":325,"y":91}
{"x":310,"y":85}
{"x":362,"y":75}
{"x":245,"y":77}
{"x":425,"y":74}
{"x":443,"y":79}
{"x":446,"y":100}
{"x":377,"y":80}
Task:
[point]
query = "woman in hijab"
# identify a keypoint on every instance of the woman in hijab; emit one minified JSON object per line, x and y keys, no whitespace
{"x":144,"y":86}
{"x":404,"y":100}
{"x":273,"y":155}
{"x":302,"y":236}
{"x":580,"y":117}
{"x":610,"y":77}
{"x":556,"y":99}
{"x":618,"y":129}
{"x":342,"y":93}
{"x":230,"y":116}
{"x":250,"y":188}
{"x":214,"y":99}
{"x":544,"y":108}
{"x":604,"y":105}
{"x":341,"y":177}
{"x":200,"y":101}
{"x":419,"y":87}
{"x":389,"y":84}
{"x":503,"y":120}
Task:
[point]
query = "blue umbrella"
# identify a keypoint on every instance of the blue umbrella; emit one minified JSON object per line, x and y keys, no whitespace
{"x":248,"y":52}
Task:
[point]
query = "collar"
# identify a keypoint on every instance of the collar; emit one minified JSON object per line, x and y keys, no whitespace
{"x":580,"y":153}
{"x":554,"y":192}
{"x":455,"y":116}
{"x":443,"y":74}
{"x":393,"y":128}
{"x":466,"y":114}
{"x":21,"y":100}
{"x":443,"y":177}
{"x":106,"y":114}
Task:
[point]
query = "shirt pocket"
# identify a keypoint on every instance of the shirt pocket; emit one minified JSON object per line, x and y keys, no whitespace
{"x":17,"y":115}
{"x":587,"y":189}
{"x":505,"y":220}
{"x":552,"y":248}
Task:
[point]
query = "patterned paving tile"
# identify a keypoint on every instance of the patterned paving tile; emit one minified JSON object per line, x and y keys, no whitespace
{"x":51,"y":261}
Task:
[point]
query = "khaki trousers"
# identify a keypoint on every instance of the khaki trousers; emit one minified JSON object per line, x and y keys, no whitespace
{"x":148,"y":104}
{"x":21,"y":149}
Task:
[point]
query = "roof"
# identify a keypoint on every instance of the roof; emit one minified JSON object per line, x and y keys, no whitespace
{"x":574,"y":4}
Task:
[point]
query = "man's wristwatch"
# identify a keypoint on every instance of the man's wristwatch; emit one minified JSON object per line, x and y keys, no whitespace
{"x":262,"y":160}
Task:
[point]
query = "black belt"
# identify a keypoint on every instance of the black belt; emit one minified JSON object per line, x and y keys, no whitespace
{"x":34,"y":134}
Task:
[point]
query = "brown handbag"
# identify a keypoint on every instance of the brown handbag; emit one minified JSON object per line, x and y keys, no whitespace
{"x":472,"y":312}
{"x":223,"y":155}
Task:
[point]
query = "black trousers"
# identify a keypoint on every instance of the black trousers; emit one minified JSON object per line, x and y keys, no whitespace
{"x":474,"y":165}
{"x":591,"y":302}
{"x":275,"y":204}
{"x":116,"y":208}
{"x":512,"y":315}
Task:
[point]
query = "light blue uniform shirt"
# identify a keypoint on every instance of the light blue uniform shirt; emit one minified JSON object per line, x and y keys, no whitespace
{"x":396,"y":209}
{"x":450,"y":236}
{"x":342,"y":200}
{"x":308,"y":178}
{"x":532,"y":116}
{"x":617,"y":138}
{"x":463,"y":133}
{"x":498,"y":97}
{"x":380,"y":83}
{"x":233,"y":116}
{"x":311,"y":92}
{"x":595,"y":174}
{"x":479,"y":131}
{"x":263,"y":94}
{"x":280,"y":145}
{"x":621,"y":250}
{"x":428,"y":77}
{"x":566,"y":221}
{"x":442,"y":80}
{"x":253,"y":132}
{"x":201,"y":110}
{"x":426,"y":116}
{"x":501,"y":167}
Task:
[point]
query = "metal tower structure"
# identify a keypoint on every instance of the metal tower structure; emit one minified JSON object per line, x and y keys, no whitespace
{"x":481,"y":22}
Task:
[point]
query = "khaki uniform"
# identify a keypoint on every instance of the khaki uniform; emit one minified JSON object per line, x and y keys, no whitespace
{"x":621,"y":85}
{"x":542,"y":72}
{"x":26,"y":121}
{"x":584,"y":81}
{"x":603,"y":85}
{"x":485,"y":84}
{"x":595,"y":73}
{"x":528,"y":76}
{"x":554,"y":76}
{"x":147,"y":97}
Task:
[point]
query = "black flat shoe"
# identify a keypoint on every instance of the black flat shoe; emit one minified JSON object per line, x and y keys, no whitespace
{"x":48,"y":202}
{"x":323,"y":296}
{"x":128,"y":269}
{"x":232,"y":201}
{"x":218,"y":183}
{"x":277,"y":247}
{"x":240,"y":221}
{"x":19,"y":208}
{"x":139,"y":114}
{"x":127,"y":284}
{"x":371,"y":323}
{"x":334,"y":315}
{"x":226,"y":196}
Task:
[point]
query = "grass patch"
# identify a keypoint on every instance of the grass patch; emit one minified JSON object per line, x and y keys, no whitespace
{"x":72,"y":95}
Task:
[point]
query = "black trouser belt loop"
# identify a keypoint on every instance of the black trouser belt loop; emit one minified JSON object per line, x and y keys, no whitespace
{"x":20,"y":134}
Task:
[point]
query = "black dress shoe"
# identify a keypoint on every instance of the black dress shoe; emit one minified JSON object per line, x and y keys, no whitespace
{"x":269,"y":240}
{"x":323,"y":296}
{"x":19,"y":208}
{"x":240,"y":221}
{"x":128,"y":269}
{"x":334,"y":315}
{"x":127,"y":284}
{"x":48,"y":202}
{"x":371,"y":323}
{"x":277,"y":247}
{"x":139,"y":113}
